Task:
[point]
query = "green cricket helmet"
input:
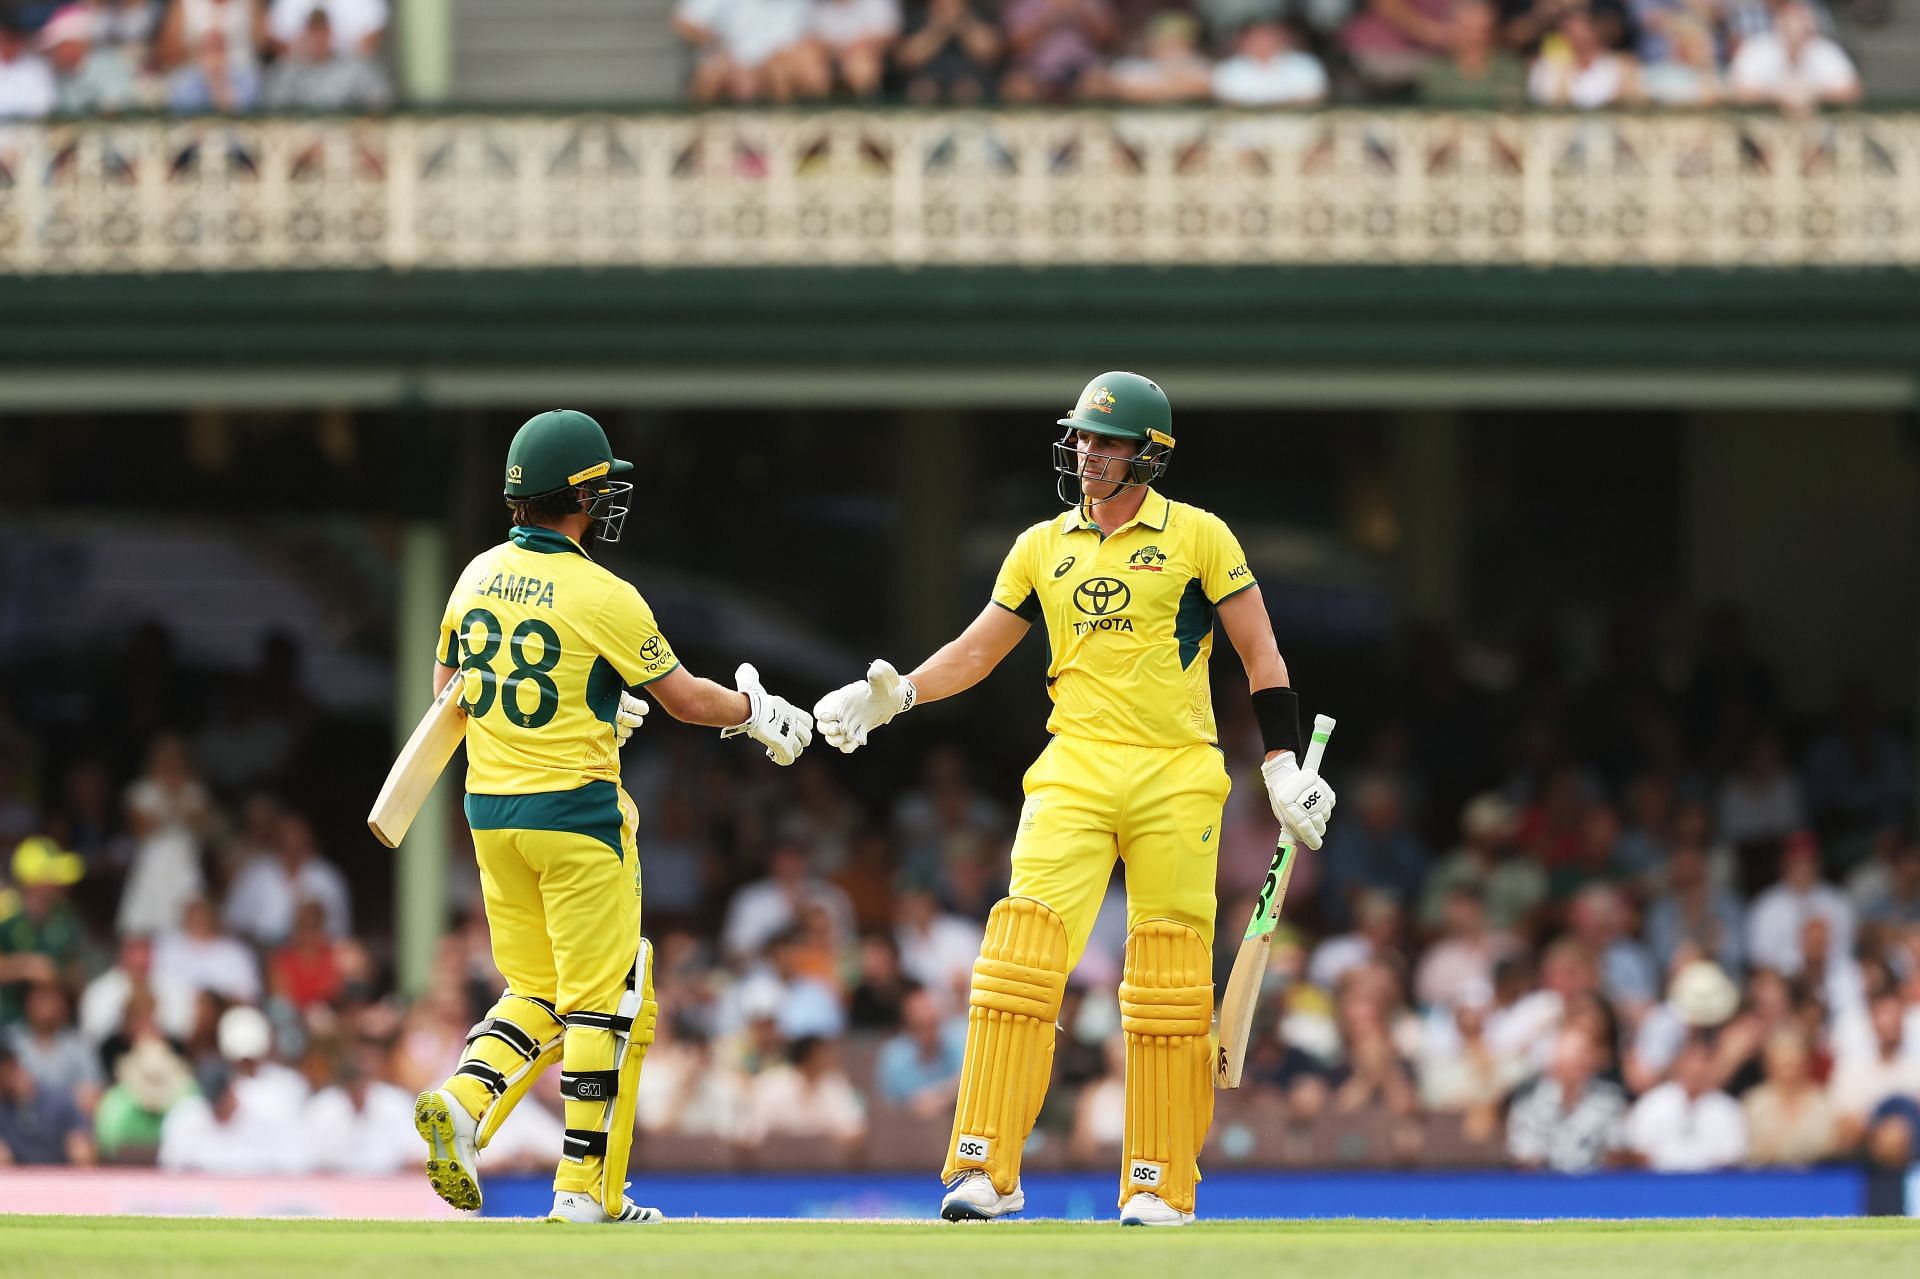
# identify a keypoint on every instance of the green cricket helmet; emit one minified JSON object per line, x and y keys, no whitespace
{"x":1118,"y":406}
{"x":565,"y":449}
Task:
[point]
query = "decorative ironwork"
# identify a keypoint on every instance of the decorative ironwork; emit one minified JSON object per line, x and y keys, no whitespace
{"x":906,"y":189}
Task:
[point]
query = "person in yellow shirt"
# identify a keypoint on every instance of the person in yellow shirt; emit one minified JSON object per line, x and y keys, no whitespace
{"x":549,"y":646}
{"x":1128,"y":585}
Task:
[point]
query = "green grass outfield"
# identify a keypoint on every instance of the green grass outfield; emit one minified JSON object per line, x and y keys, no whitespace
{"x":125,"y":1247}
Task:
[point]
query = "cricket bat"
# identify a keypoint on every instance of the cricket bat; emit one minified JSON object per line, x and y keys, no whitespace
{"x":421,"y":761}
{"x":1250,"y":965}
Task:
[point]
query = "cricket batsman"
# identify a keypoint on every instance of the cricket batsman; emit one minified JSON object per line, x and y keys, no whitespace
{"x":548,"y":644}
{"x":1128,"y":585}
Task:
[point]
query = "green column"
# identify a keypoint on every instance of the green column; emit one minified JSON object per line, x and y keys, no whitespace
{"x":927,"y":607}
{"x":1431,"y":492}
{"x":420,"y":866}
{"x":424,"y":29}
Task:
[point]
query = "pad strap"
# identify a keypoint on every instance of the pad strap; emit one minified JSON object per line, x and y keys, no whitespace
{"x":589,"y":1085}
{"x":507,"y":1033}
{"x":579,"y":1143}
{"x":495,"y":1081}
{"x":618,"y":1023}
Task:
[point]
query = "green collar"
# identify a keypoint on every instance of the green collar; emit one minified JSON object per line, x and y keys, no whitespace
{"x":545,"y":540}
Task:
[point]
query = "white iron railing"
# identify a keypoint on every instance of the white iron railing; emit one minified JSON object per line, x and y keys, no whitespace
{"x":903,"y":189}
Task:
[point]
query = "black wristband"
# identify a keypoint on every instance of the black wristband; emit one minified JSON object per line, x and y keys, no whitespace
{"x":1278,"y":712}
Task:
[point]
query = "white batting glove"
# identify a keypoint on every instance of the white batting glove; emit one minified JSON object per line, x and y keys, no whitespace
{"x":849,"y":713}
{"x":629,"y":715}
{"x":777,"y":724}
{"x":1302,"y":801}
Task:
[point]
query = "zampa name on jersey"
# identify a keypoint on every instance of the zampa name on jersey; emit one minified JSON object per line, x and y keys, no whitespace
{"x":512,"y":586}
{"x":1103,"y":624}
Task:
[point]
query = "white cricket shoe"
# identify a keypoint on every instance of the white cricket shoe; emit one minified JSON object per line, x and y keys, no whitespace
{"x":452,"y":1162}
{"x":973,"y":1198}
{"x":1151,"y":1210}
{"x":576,"y":1207}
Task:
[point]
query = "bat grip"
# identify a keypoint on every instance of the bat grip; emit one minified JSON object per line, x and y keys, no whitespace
{"x":1317,"y":748}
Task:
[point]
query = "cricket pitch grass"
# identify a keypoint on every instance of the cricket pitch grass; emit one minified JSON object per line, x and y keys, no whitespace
{"x":131,"y":1248}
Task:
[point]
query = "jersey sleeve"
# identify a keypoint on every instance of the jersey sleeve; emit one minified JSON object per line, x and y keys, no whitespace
{"x":447,"y":650}
{"x":625,"y":633}
{"x":1223,"y":565}
{"x":1013,"y":589}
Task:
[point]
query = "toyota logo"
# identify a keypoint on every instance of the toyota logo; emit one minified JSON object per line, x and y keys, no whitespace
{"x":1100,"y":596}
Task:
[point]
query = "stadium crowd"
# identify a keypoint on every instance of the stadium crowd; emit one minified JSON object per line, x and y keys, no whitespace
{"x":1565,"y":918}
{"x":1581,"y":54}
{"x":91,"y":57}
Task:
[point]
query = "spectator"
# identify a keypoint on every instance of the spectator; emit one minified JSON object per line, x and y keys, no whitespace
{"x":1374,"y":1076}
{"x":88,"y":79}
{"x":1859,"y":774}
{"x":168,"y":812}
{"x":684,"y":1089}
{"x":919,"y":1068}
{"x":950,"y":53}
{"x":1789,"y":1120}
{"x":1778,"y":916}
{"x":103,"y":1004}
{"x":1376,"y":936}
{"x":314,"y":74}
{"x":803,"y":1005}
{"x":855,"y":35}
{"x":1392,"y":42}
{"x":1686,"y":1124}
{"x":749,"y":50}
{"x":149,"y":1080}
{"x":1476,"y":72}
{"x":1569,"y":1120}
{"x":1269,"y":69}
{"x":879,"y":998}
{"x":1761,"y":803}
{"x":38,"y":1125}
{"x":40,"y":938}
{"x":214,"y":1133}
{"x":27,"y":88}
{"x":1579,"y":70}
{"x":270,"y":888}
{"x":1053,"y":46}
{"x":1169,"y":68}
{"x":1684,"y":73}
{"x":1461,"y":1071}
{"x":936,"y":950}
{"x":765,"y":908}
{"x":1462,"y":958}
{"x":362,"y":1125}
{"x":1599,"y":919}
{"x":49,"y":1048}
{"x":200,"y":957}
{"x":1897,"y":903}
{"x":1374,"y":848}
{"x":1693,"y":912}
{"x":1510,"y":885}
{"x":306,"y":971}
{"x":1793,"y":66}
{"x":1864,"y":1083}
{"x":359,"y":27}
{"x":1644,"y":846}
{"x":809,"y":1096}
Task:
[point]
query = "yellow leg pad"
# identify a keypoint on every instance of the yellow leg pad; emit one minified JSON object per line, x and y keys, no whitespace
{"x":1166,"y":1011}
{"x":1018,"y":982}
{"x":507,"y":1052}
{"x":600,"y":1080}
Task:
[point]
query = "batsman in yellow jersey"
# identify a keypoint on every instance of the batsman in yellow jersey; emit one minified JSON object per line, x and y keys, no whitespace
{"x":548,"y":645}
{"x":1127,"y":584}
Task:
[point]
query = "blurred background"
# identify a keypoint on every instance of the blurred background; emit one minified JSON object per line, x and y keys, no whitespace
{"x":1557,"y":363}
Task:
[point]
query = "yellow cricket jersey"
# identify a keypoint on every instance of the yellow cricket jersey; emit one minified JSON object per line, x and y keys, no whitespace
{"x":545,"y":639}
{"x":1129,"y":618}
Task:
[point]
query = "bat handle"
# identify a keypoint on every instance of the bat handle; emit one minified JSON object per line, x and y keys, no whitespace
{"x":1317,"y":748}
